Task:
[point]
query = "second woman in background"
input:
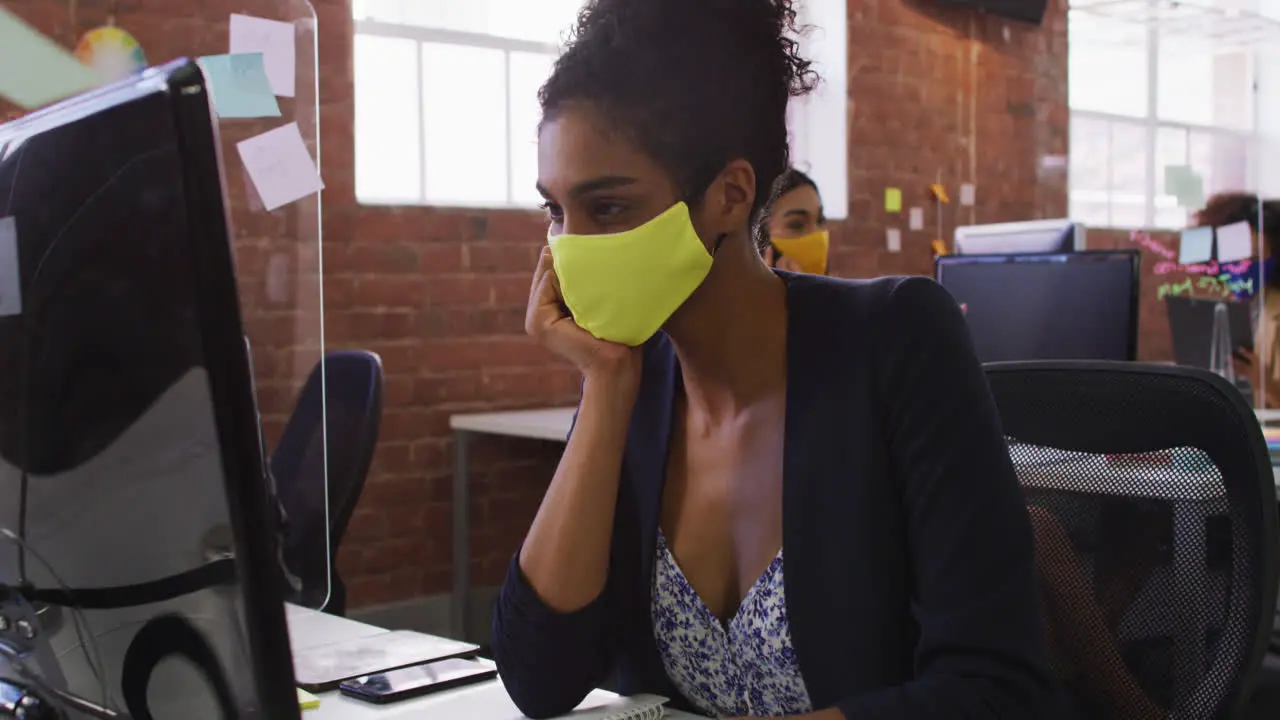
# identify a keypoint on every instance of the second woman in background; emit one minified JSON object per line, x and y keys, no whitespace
{"x":793,"y":228}
{"x":1263,"y":281}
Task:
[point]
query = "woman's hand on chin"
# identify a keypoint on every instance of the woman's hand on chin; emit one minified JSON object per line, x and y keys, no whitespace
{"x":601,"y":363}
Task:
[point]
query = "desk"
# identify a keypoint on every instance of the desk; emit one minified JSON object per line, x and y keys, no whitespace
{"x":550,"y":424}
{"x":482,"y":701}
{"x":1269,"y":415}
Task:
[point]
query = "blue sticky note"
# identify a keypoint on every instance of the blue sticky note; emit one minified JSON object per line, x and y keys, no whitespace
{"x":1197,"y":246}
{"x":239,"y":86}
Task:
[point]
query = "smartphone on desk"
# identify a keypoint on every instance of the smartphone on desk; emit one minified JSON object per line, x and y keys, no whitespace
{"x":417,"y":680}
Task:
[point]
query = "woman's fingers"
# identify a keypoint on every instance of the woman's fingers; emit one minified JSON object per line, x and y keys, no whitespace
{"x":545,"y":263}
{"x":541,"y":297}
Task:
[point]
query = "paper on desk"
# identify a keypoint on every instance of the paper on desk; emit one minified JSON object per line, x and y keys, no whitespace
{"x":275,"y":40}
{"x":10,"y":279}
{"x":239,"y":86}
{"x":307,"y":701}
{"x":1235,"y":242}
{"x":36,"y":71}
{"x":1196,"y":246}
{"x":280,"y":166}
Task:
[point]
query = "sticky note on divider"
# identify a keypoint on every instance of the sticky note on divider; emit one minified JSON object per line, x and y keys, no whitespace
{"x":893,"y":200}
{"x":915,"y":219}
{"x":1192,"y":195}
{"x":239,"y":86}
{"x":36,"y":71}
{"x":1196,"y":246}
{"x":276,"y":41}
{"x":968,"y":194}
{"x":1175,"y":179}
{"x":280,"y":166}
{"x":1235,"y":242}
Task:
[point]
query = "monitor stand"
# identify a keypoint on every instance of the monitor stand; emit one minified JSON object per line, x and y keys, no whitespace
{"x":1220,"y":345}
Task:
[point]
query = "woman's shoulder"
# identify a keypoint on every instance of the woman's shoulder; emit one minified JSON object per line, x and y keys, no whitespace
{"x":904,"y":301}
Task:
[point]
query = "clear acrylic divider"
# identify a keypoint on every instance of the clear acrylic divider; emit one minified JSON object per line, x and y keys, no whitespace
{"x":279,"y":265}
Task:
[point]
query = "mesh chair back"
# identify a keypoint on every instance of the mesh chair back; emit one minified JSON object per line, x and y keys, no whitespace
{"x":1154,"y":507}
{"x":352,"y":399}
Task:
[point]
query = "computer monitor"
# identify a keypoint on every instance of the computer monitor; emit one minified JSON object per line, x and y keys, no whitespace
{"x":135,"y":512}
{"x":1191,"y":327}
{"x":1064,"y":306}
{"x":1033,"y":236}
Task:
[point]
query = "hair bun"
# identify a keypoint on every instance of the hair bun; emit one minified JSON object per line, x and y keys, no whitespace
{"x":695,"y":84}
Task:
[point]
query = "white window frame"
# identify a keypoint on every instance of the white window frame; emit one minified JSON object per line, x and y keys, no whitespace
{"x":1152,"y":124}
{"x":818,"y":121}
{"x":424,"y":35}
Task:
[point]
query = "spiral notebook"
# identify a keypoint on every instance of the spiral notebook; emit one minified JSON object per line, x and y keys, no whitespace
{"x":636,"y":707}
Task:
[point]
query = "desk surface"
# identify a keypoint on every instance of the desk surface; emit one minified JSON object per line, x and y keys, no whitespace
{"x":483,"y":701}
{"x":541,"y":424}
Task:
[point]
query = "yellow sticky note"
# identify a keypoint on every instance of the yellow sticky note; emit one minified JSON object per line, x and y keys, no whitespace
{"x":940,"y":192}
{"x":307,"y":701}
{"x":939,"y":248}
{"x":893,"y":200}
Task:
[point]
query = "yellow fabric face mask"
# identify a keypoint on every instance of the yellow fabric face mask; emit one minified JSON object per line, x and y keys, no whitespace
{"x":810,"y":251}
{"x":623,"y":287}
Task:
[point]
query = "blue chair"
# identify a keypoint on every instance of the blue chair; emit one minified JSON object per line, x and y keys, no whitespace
{"x":352,"y":383}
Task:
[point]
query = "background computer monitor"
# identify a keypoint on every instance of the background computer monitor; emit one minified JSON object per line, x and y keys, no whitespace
{"x":130,"y":463}
{"x":1066,"y":306}
{"x":1033,"y":236}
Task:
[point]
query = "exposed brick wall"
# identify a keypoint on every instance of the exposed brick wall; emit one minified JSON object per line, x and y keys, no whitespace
{"x":951,"y":96}
{"x":440,"y":293}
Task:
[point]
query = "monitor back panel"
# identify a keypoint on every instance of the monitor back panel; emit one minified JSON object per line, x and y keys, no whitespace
{"x":114,"y":456}
{"x":1081,"y":306}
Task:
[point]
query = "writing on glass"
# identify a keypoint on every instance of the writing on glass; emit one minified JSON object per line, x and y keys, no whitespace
{"x":1150,"y":244}
{"x":1223,"y":286}
{"x":280,"y":166}
{"x":10,"y":279}
{"x":1210,"y":279}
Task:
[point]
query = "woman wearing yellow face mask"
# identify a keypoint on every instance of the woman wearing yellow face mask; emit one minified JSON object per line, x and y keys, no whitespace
{"x":794,"y":226}
{"x":735,"y":419}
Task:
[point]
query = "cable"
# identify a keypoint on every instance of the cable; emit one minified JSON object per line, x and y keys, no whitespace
{"x":19,"y":663}
{"x":94,"y":661}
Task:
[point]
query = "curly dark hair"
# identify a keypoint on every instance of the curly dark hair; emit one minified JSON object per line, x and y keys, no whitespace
{"x":1233,"y":207}
{"x":696,"y":84}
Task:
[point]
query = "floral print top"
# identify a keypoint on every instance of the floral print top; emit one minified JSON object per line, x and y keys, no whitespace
{"x":748,"y":669}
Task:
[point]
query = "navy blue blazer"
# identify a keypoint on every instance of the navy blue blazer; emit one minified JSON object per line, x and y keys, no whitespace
{"x":910,"y":585}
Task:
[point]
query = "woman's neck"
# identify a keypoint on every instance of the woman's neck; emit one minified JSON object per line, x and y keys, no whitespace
{"x":730,"y":336}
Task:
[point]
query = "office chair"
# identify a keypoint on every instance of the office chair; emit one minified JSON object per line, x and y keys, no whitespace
{"x":352,"y":396}
{"x":1152,"y":499}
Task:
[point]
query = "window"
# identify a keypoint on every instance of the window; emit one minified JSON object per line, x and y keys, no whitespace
{"x":1155,"y":84}
{"x":446,"y":109}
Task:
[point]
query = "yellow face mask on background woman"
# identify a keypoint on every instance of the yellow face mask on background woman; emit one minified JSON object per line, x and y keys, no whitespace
{"x":809,"y":251}
{"x":623,"y":287}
